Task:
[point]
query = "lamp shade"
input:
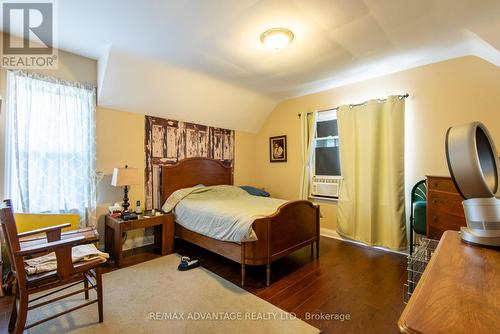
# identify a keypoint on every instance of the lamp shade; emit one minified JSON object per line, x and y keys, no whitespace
{"x":125,"y":177}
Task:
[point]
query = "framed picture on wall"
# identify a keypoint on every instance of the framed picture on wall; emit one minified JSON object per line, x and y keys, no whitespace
{"x":277,"y":149}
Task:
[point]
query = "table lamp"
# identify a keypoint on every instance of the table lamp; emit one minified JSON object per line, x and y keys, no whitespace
{"x":125,"y":177}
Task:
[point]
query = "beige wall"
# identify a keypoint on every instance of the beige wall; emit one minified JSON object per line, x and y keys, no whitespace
{"x":244,"y":158}
{"x":119,"y":142}
{"x":442,"y":94}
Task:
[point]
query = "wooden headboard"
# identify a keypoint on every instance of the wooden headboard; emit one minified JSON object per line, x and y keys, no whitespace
{"x":191,"y":172}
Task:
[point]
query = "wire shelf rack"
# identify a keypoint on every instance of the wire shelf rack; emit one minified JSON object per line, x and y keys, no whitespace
{"x":416,"y":265}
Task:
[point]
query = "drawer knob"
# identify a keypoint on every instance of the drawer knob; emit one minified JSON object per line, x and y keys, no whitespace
{"x":434,"y":218}
{"x":434,"y":201}
{"x":436,"y":184}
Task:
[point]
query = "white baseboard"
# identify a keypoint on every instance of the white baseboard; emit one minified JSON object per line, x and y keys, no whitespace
{"x":329,"y":233}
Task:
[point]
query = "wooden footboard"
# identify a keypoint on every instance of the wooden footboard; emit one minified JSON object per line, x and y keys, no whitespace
{"x":293,"y":226}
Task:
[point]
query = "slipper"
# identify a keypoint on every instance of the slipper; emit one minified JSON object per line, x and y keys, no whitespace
{"x":187,"y":264}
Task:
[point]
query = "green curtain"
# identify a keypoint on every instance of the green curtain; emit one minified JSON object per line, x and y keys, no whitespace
{"x":371,"y":206}
{"x":307,"y":131}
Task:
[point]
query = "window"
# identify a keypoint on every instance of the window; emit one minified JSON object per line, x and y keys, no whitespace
{"x":326,"y":149}
{"x":50,"y":145}
{"x":326,"y":179}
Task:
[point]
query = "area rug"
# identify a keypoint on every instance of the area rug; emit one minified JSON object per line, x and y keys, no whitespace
{"x":153,"y":297}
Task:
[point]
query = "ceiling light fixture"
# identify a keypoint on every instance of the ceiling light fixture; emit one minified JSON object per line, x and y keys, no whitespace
{"x":276,"y":39}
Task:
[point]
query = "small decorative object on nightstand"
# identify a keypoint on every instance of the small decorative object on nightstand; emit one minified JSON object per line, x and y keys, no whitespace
{"x":138,"y":209}
{"x":125,"y":177}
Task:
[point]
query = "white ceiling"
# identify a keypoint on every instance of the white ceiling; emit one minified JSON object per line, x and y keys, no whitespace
{"x":202,"y":61}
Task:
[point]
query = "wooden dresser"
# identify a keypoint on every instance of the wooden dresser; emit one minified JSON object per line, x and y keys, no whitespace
{"x":459,"y":291}
{"x":444,"y":207}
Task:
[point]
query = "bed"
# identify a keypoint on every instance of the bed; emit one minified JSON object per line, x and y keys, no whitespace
{"x":293,"y":226}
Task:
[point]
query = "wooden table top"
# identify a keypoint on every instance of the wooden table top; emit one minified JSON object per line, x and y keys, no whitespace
{"x":459,"y":291}
{"x":139,"y":217}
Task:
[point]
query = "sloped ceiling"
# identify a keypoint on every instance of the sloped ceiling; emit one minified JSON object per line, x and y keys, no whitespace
{"x":202,"y":61}
{"x":136,"y":84}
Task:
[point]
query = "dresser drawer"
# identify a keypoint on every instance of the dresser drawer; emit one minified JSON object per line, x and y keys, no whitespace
{"x":444,"y":206}
{"x":445,"y":202}
{"x":441,"y":184}
{"x":440,"y":222}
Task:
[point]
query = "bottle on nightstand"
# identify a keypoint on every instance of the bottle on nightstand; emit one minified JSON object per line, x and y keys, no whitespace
{"x":138,"y":209}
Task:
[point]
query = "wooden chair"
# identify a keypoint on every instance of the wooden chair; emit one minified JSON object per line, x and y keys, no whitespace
{"x":68,"y":274}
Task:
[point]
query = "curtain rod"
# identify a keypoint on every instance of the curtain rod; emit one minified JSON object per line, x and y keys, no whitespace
{"x":404,"y":96}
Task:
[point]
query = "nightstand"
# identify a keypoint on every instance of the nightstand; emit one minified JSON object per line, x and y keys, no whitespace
{"x":163,"y":233}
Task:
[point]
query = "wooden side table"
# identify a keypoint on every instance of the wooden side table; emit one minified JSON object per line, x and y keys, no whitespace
{"x":163,"y":234}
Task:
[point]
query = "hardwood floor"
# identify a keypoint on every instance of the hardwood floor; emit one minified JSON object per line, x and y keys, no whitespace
{"x":348,"y":279}
{"x":5,"y":307}
{"x":365,"y":283}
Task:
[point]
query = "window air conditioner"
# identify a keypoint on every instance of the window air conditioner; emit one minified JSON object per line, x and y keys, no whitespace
{"x":326,"y":186}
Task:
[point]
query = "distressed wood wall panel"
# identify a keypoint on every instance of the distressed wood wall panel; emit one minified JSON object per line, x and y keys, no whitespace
{"x":168,"y":141}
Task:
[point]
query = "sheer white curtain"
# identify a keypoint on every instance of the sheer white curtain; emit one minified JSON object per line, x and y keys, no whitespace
{"x":307,"y":131}
{"x":50,"y":146}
